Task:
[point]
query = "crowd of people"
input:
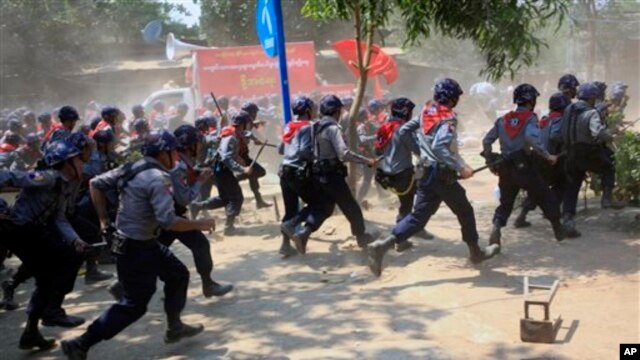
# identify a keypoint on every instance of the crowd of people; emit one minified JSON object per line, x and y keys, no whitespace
{"x":104,"y":189}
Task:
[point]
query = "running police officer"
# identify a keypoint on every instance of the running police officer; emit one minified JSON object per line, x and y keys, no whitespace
{"x":146,"y":206}
{"x":39,"y":233}
{"x":437,"y":139}
{"x":519,"y":137}
{"x":258,"y":171}
{"x":329,"y":170}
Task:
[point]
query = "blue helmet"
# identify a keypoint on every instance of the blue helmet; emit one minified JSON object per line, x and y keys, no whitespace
{"x":567,"y":81}
{"x":13,"y":139}
{"x":79,"y":140}
{"x":241,"y":117}
{"x":14,"y":124}
{"x":59,"y":151}
{"x":446,"y":89}
{"x":104,"y":137}
{"x":524,"y":93}
{"x":68,"y":113}
{"x":137,"y":110}
{"x":602,"y":87}
{"x":44,"y":118}
{"x":32,"y":139}
{"x":618,"y":89}
{"x":187,"y":135}
{"x":347,"y":101}
{"x":301,"y":105}
{"x":158,"y":141}
{"x":330,"y":104}
{"x":374,"y":105}
{"x":402,"y":107}
{"x":362,"y":114}
{"x":250,"y":107}
{"x":588,"y":91}
{"x":201,"y":123}
{"x":558,"y":102}
{"x":110,"y":114}
{"x":140,"y":125}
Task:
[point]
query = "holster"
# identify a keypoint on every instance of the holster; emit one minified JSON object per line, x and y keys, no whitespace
{"x":446,"y":175}
{"x":330,"y":166}
{"x":385,"y":180}
{"x":520,"y":160}
{"x":295,"y":173}
{"x":118,"y":244}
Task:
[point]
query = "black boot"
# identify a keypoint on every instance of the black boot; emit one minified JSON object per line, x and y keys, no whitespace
{"x":58,"y":317}
{"x":607,"y":201}
{"x":558,"y":230}
{"x":366,"y":239}
{"x":424,"y":234}
{"x":211,"y":288}
{"x":569,"y":226}
{"x":404,"y":246}
{"x":521,"y":220}
{"x":74,"y":349}
{"x":288,"y":228}
{"x":8,"y":291}
{"x":178,"y":330}
{"x":286,"y":249}
{"x":116,"y":290}
{"x":230,"y":228}
{"x":478,"y":255}
{"x":33,"y":339}
{"x":300,"y":239}
{"x":496,"y":234}
{"x":376,"y":251}
{"x":260,"y":203}
{"x":93,"y":275}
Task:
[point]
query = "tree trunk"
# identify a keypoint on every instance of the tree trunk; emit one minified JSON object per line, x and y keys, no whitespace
{"x":361,"y":87}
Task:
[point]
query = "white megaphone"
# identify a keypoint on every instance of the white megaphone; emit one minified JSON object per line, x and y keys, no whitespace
{"x":176,"y":49}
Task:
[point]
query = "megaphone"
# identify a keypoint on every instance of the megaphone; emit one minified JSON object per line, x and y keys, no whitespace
{"x":176,"y":49}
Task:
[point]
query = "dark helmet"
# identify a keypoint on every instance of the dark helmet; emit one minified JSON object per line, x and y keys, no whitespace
{"x":68,"y":113}
{"x":31,"y":139}
{"x":362,"y":114}
{"x":187,"y":135}
{"x":618,"y":89}
{"x":59,"y":151}
{"x":402,"y":107}
{"x":44,"y":118}
{"x":201,"y":123}
{"x":158,"y":105}
{"x":85,"y":129}
{"x":602,"y":86}
{"x":346,"y":101}
{"x":223,"y":101}
{"x":446,"y":89}
{"x":93,"y":124}
{"x":13,"y":139}
{"x":567,"y":81}
{"x":110,"y":114}
{"x":558,"y":102}
{"x":104,"y":137}
{"x":79,"y":140}
{"x":588,"y":91}
{"x":241,"y":117}
{"x":14,"y":125}
{"x":301,"y":105}
{"x":158,"y":141}
{"x":250,"y":107}
{"x":330,"y":104}
{"x":375,"y":105}
{"x":524,"y":93}
{"x":140,"y":125}
{"x":137,"y":110}
{"x":182,"y":107}
{"x":29,"y":117}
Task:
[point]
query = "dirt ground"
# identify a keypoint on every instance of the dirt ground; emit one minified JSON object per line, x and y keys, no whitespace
{"x":430,"y":302}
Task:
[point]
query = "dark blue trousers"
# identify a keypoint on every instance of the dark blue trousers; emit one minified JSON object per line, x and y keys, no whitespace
{"x":229,"y":192}
{"x":198,"y":243}
{"x":597,"y":159}
{"x":317,"y":208}
{"x":336,"y":191}
{"x":138,"y":271}
{"x":403,"y":184}
{"x":431,"y":192}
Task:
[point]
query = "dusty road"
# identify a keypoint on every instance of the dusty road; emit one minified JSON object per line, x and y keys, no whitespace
{"x":430,"y":303}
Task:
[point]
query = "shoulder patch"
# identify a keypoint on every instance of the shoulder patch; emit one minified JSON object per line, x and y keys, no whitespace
{"x":36,"y":176}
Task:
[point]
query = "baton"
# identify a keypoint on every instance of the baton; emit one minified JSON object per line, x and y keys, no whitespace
{"x":259,"y":152}
{"x":215,"y":101}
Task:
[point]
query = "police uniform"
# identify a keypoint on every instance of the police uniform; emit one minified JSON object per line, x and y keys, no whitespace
{"x":518,"y":133}
{"x":436,"y":137}
{"x":366,"y":131}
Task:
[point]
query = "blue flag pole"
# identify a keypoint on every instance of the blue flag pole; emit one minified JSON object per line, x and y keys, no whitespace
{"x":282,"y":60}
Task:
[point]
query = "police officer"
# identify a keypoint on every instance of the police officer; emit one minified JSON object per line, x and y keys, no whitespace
{"x":68,"y":117}
{"x":585,"y":138}
{"x":186,"y":182}
{"x":28,"y":154}
{"x":39,"y":233}
{"x":366,"y":130}
{"x":140,"y":129}
{"x":436,"y":135}
{"x":295,"y":177}
{"x":111,"y":120}
{"x":207,"y":127}
{"x":257,"y":171}
{"x":179,"y":118}
{"x":229,"y":162}
{"x":519,"y":142}
{"x":552,"y":174}
{"x":146,"y":207}
{"x":8,"y":150}
{"x":138,"y":112}
{"x":395,"y":170}
{"x":44,"y":123}
{"x":568,"y":85}
{"x":157,"y":117}
{"x":329,"y":170}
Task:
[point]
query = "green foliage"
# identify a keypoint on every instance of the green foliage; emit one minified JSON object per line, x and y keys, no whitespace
{"x":628,"y":166}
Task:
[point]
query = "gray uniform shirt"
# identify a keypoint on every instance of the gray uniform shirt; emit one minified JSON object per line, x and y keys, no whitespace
{"x":229,"y":152}
{"x":146,"y":202}
{"x":330,"y":145}
{"x":397,"y":154}
{"x":440,"y":145}
{"x":44,"y":196}
{"x":528,"y":138}
{"x":299,"y":151}
{"x":183,"y":192}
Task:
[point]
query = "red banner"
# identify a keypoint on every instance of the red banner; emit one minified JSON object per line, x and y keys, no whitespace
{"x":246,"y":71}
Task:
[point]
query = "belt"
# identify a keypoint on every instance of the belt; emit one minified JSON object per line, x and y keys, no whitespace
{"x":141,"y":244}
